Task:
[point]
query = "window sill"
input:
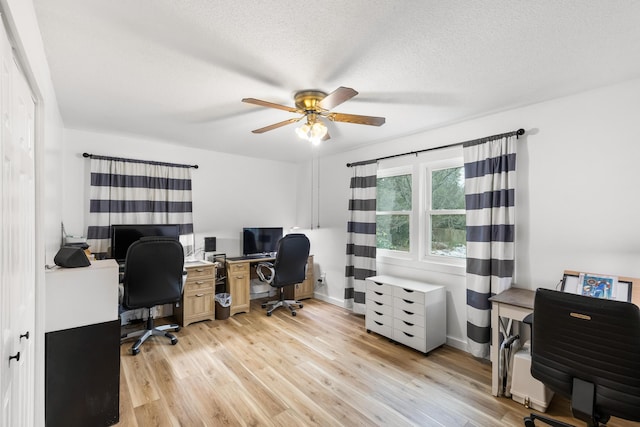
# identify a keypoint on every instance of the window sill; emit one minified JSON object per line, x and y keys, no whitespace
{"x":457,"y":269}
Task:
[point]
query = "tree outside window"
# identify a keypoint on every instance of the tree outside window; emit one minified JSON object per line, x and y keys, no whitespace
{"x":447,"y":213}
{"x":393,"y":216}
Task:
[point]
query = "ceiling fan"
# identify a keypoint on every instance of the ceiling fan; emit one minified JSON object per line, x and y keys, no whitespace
{"x":315,"y":105}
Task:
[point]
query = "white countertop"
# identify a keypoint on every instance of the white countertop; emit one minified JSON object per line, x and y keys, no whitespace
{"x":81,"y":296}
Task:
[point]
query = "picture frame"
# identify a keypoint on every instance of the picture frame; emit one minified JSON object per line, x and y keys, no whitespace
{"x":582,"y":283}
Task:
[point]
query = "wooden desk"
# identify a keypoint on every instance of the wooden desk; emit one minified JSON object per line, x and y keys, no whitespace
{"x":240,"y":273}
{"x":515,"y":304}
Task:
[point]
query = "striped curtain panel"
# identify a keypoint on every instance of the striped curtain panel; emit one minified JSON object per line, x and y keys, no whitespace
{"x":361,"y":236}
{"x":490,"y":174}
{"x":125,"y":191}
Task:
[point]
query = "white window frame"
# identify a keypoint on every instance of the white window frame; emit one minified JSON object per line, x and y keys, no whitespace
{"x":395,"y":171}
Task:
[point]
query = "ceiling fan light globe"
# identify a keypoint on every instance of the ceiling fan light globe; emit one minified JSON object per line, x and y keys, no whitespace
{"x":318,"y":131}
{"x":303,"y":131}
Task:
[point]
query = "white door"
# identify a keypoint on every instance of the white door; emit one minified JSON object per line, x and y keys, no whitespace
{"x":17,"y":248}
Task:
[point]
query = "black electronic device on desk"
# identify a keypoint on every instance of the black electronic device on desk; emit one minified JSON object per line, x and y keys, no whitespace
{"x":260,"y":242}
{"x":123,"y":236}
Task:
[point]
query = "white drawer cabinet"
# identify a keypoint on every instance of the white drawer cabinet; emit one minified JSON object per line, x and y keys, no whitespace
{"x":407,"y":311}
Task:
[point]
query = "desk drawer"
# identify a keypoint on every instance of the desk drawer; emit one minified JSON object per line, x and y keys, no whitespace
{"x":242,"y":267}
{"x":198,"y":285}
{"x":196,"y":272}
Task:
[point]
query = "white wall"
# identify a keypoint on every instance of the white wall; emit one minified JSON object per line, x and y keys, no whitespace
{"x":577,"y":200}
{"x":229,"y":192}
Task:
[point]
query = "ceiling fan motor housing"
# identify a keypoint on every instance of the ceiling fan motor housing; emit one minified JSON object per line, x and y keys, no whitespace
{"x":308,"y":100}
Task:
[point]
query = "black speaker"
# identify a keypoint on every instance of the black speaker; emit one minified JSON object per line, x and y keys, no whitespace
{"x":71,"y":257}
{"x":209,"y":244}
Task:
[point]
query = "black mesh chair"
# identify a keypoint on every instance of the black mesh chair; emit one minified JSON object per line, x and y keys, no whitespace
{"x":153,"y":275}
{"x":588,"y":350}
{"x":288,"y":269}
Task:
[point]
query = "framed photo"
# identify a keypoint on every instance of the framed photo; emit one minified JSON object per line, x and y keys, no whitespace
{"x":597,"y":285}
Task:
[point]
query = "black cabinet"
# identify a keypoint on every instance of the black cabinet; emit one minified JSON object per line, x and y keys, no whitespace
{"x":82,"y":375}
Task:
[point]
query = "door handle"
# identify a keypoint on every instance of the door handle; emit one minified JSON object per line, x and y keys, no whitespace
{"x":16,"y":356}
{"x":26,"y":336}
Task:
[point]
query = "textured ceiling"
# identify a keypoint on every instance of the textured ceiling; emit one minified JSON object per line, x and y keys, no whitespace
{"x":176,"y":70}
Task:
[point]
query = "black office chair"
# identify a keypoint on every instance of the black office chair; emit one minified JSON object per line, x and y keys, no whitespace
{"x":153,"y":275}
{"x":588,"y":350}
{"x":288,"y":269}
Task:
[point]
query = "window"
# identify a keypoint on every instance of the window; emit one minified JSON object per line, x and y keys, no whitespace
{"x":420,"y":213}
{"x":394,"y":210}
{"x":446,"y":233}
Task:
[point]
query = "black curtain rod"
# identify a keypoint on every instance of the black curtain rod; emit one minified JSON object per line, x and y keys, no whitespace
{"x":96,"y":156}
{"x":473,"y":141}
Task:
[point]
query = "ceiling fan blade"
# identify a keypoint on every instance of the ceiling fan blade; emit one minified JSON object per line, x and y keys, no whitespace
{"x":354,"y":118}
{"x":269,"y":104}
{"x":277,"y":125}
{"x":337,"y":97}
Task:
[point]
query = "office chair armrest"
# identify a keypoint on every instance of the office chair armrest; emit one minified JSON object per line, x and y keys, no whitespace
{"x":184,"y":280}
{"x":269,"y":267}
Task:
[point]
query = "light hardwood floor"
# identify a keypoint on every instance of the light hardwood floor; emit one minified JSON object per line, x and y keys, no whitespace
{"x":320,"y":368}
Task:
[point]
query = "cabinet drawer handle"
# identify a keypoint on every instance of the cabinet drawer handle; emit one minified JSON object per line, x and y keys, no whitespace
{"x":408,"y":290}
{"x":377,"y":323}
{"x":199,"y":270}
{"x":407,"y":323}
{"x":378,"y":283}
{"x":199,"y":295}
{"x":378,"y":313}
{"x":408,"y":301}
{"x":379,"y":303}
{"x":199,"y":282}
{"x":409,"y":335}
{"x":409,"y":312}
{"x":377,"y":293}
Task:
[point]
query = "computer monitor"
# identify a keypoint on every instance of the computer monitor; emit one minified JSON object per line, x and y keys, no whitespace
{"x":260,"y":240}
{"x":123,"y":235}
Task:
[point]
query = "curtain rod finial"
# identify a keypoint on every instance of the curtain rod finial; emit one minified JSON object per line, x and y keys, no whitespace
{"x":86,"y":155}
{"x":520,"y":131}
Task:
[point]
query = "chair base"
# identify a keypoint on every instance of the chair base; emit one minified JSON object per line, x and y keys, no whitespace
{"x":149,"y":331}
{"x":291,"y":304}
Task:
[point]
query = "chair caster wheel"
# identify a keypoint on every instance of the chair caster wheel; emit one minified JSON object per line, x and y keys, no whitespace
{"x":293,"y":313}
{"x":264,"y":306}
{"x":177,"y":329}
{"x":268,"y":314}
{"x":135,"y":351}
{"x":301,"y":305}
{"x":174,"y":341}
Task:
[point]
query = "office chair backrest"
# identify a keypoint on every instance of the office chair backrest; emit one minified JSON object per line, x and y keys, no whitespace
{"x":153,"y":272}
{"x":594,"y":340}
{"x":291,"y":260}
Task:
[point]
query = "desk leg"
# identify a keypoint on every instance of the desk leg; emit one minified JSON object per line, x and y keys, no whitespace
{"x":495,"y":345}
